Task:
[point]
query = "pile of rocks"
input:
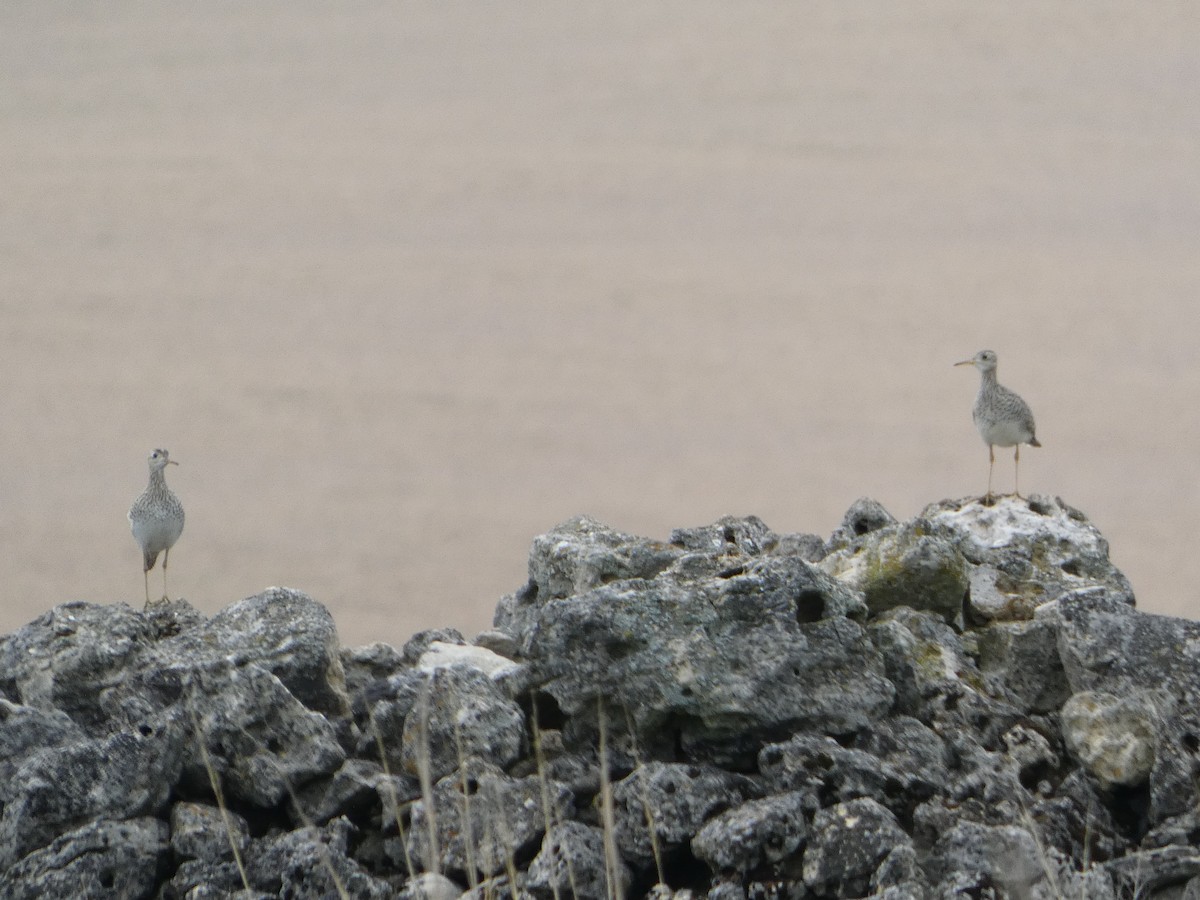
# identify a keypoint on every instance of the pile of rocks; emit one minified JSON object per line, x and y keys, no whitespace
{"x":963,"y":705}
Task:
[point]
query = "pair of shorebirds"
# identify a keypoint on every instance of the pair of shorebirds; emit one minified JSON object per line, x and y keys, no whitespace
{"x":1003,"y":420}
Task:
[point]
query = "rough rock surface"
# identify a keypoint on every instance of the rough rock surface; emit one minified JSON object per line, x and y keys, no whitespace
{"x":966,"y":704}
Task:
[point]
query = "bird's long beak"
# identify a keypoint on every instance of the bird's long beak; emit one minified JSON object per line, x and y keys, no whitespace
{"x":966,"y":362}
{"x":172,"y":462}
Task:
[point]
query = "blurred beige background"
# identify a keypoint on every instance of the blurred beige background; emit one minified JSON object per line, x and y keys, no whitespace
{"x":402,"y":287}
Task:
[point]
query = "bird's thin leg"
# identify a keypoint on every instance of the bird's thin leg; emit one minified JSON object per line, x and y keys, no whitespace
{"x":1017,"y":472}
{"x":166,"y":556}
{"x":146,"y":578}
{"x":991,"y":465}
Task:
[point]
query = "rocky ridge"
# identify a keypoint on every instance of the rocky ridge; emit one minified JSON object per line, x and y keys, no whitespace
{"x":966,"y":704}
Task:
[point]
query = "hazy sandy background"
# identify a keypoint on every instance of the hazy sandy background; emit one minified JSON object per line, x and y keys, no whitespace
{"x":401,"y":288}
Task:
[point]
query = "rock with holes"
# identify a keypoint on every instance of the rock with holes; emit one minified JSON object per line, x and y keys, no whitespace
{"x":826,"y":770}
{"x":848,"y":843}
{"x":764,"y":831}
{"x":864,"y":516}
{"x":281,"y":631}
{"x":659,"y":806}
{"x":104,"y":858}
{"x":64,"y":787}
{"x":572,"y":863}
{"x":1025,"y":553}
{"x":1108,"y":647}
{"x":70,"y":659}
{"x":725,"y":647}
{"x":257,"y":737}
{"x":928,"y":664}
{"x":459,"y":714}
{"x":312,"y":863}
{"x":915,"y":564}
{"x":360,"y":788}
{"x":481,"y":819}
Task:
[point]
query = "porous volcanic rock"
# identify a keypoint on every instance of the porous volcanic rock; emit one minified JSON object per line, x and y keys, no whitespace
{"x":964,"y":704}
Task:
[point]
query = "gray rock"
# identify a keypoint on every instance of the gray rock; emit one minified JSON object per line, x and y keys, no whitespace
{"x":260,"y":740}
{"x":282,"y":631}
{"x":312,"y":864}
{"x":582,"y":554}
{"x":936,"y":679}
{"x":572,"y":863}
{"x":1006,"y":856}
{"x":864,"y":516}
{"x":203,"y":832}
{"x":484,"y":824}
{"x":1114,"y":737}
{"x":70,"y":658}
{"x":828,"y":773}
{"x":809,"y":547}
{"x":363,"y":667}
{"x":62,"y":788}
{"x":460,"y":714}
{"x":917,"y":564}
{"x":1107,"y":646}
{"x":1021,"y":658}
{"x":101,"y":860}
{"x":847,"y":843}
{"x":677,"y":799}
{"x":359,"y":789}
{"x":759,"y":831}
{"x":729,"y":535}
{"x":1035,"y":551}
{"x":899,"y":875}
{"x":25,"y":731}
{"x":1139,"y":873}
{"x":713,"y":664}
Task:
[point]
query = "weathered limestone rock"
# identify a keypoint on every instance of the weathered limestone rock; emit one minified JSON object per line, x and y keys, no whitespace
{"x":65,"y":787}
{"x":571,"y":862}
{"x":200,"y":831}
{"x":460,"y":714}
{"x":714,"y":657}
{"x":768,"y":830}
{"x":848,"y":843}
{"x":1107,"y":646}
{"x":1114,"y":737}
{"x":1027,"y":553}
{"x":484,"y":824}
{"x":768,"y":729}
{"x":917,"y":564}
{"x":677,"y":799}
{"x":104,"y":858}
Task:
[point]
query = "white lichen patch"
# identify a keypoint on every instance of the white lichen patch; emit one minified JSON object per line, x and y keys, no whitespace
{"x":1012,"y":520}
{"x":440,"y":655}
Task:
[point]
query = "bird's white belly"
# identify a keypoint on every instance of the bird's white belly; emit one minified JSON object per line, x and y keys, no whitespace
{"x":1003,"y":433}
{"x":156,"y":535}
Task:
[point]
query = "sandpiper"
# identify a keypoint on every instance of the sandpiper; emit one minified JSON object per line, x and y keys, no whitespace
{"x":156,"y":519}
{"x":1003,"y":418}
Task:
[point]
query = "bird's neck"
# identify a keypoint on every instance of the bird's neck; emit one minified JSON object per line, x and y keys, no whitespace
{"x":989,"y":379}
{"x":158,"y":481}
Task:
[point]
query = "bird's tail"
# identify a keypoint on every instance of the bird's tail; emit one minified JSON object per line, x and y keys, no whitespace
{"x":1033,"y":442}
{"x":148,"y":560}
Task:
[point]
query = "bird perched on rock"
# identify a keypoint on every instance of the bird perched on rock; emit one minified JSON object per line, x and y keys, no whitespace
{"x":1003,"y":418}
{"x":156,"y":519}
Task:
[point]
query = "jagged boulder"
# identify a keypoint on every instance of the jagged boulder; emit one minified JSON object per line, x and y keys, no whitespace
{"x":718,"y":651}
